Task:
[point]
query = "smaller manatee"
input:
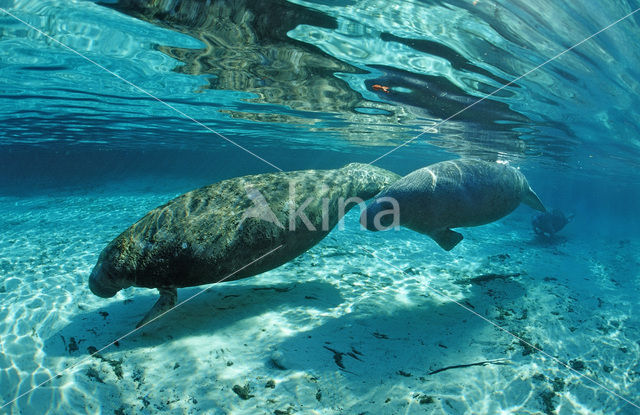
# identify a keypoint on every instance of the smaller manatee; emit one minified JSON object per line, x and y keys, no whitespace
{"x":549,"y":223}
{"x":450,"y":194}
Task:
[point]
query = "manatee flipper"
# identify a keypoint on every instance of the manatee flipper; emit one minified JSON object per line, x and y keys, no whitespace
{"x":446,"y":238}
{"x":530,"y":198}
{"x":168,"y":299}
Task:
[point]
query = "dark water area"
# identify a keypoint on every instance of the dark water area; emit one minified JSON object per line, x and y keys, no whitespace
{"x":35,"y":171}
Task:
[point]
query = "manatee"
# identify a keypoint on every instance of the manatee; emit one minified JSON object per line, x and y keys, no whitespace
{"x":450,"y":194}
{"x":548,"y":223}
{"x":232,"y":229}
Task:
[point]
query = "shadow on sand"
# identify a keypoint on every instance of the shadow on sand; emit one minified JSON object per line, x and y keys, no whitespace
{"x":218,"y":307}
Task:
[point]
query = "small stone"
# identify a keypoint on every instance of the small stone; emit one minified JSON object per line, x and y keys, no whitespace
{"x":423,"y":399}
{"x":528,"y":348}
{"x":242,"y":391}
{"x":116,"y":365}
{"x":557,"y":384}
{"x":92,"y":373}
{"x":270,"y":384}
{"x":547,"y":402}
{"x":144,"y":400}
{"x":577,"y":364}
{"x":138,"y":377}
{"x":426,"y":399}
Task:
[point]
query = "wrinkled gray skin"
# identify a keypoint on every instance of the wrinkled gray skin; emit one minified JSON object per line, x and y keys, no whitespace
{"x":212,"y":233}
{"x":452,"y":194}
{"x":549,"y":223}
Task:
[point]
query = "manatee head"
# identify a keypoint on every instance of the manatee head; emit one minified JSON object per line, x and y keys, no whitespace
{"x":381,"y":214}
{"x":109,"y":275}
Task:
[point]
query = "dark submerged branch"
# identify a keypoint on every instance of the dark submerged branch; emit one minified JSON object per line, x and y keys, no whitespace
{"x":483,"y":363}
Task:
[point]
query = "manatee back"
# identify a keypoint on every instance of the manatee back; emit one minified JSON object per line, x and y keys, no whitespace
{"x":206,"y":234}
{"x":174,"y":242}
{"x":456,"y":194}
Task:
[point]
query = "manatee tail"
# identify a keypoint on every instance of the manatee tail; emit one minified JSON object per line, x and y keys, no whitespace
{"x":530,"y":198}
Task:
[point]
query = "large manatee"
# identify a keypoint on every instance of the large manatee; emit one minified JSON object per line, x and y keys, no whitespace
{"x":450,"y":194}
{"x":233,"y":229}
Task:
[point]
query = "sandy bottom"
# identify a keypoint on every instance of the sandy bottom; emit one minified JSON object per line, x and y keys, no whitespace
{"x":337,"y":331}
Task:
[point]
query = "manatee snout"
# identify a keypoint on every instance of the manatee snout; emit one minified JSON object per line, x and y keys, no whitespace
{"x":366,"y":218}
{"x":379,"y":215}
{"x":101,"y":283}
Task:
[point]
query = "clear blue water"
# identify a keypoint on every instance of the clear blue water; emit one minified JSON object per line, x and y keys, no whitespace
{"x":84,"y":154}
